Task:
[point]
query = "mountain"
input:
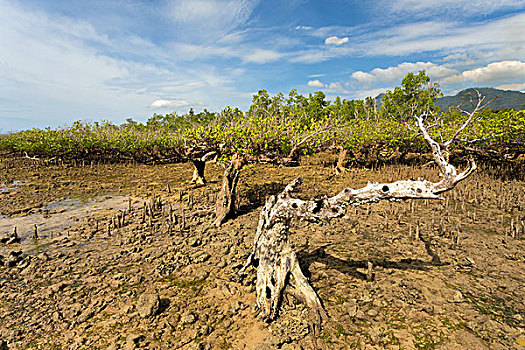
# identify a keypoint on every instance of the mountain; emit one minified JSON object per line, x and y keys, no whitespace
{"x":506,"y":99}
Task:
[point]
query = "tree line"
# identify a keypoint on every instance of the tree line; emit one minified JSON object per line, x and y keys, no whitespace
{"x":281,"y":128}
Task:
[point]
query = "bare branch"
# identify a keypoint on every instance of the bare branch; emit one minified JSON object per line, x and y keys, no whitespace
{"x":475,"y":109}
{"x":32,"y":158}
{"x":295,"y":148}
{"x":466,"y":140}
{"x":209,"y":156}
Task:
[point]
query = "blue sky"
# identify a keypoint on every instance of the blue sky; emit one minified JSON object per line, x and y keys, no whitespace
{"x":67,"y":60}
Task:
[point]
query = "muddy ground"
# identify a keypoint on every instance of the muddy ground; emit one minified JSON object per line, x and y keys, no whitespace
{"x":446,"y":275}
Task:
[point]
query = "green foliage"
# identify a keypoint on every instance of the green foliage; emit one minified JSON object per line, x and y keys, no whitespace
{"x":276,"y":125}
{"x":416,"y":96}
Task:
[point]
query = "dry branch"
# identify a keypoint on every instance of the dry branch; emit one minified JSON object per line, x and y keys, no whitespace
{"x":294,"y":152}
{"x":277,"y":263}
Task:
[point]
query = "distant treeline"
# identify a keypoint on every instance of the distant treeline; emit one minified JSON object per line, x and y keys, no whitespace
{"x":279,"y":127}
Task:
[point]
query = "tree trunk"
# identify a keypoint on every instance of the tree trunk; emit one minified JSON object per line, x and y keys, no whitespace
{"x":225,"y":205}
{"x":339,"y":168}
{"x":198,"y":171}
{"x":277,"y":263}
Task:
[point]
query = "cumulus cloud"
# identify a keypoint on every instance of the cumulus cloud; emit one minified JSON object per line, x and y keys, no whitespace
{"x":493,"y":72}
{"x":520,"y":87}
{"x":315,"y":83}
{"x":395,"y":74}
{"x":334,"y":40}
{"x":158,"y":104}
{"x":363,"y":77}
{"x":362,"y":94}
{"x":336,"y":87}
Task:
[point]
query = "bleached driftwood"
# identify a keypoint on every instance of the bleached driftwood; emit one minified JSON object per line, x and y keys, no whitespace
{"x":277,"y":264}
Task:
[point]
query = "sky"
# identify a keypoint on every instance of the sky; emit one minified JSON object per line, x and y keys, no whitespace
{"x":68,"y":60}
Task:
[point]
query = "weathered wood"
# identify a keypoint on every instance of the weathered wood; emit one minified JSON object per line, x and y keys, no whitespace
{"x":294,"y":155}
{"x":277,"y":263}
{"x":226,"y":204}
{"x":339,"y":167}
{"x":198,"y":171}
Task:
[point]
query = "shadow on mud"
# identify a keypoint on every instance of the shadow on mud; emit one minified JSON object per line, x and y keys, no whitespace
{"x":349,"y":267}
{"x":255,"y":196}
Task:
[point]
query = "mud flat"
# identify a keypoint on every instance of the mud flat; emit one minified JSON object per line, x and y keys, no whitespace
{"x":446,"y":275}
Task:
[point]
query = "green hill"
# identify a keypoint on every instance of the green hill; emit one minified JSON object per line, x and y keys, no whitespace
{"x":506,"y":99}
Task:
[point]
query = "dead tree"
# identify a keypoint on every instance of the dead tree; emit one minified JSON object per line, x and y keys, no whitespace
{"x":340,"y":165}
{"x":278,"y":266}
{"x":226,"y":200}
{"x":199,"y":163}
{"x":293,"y":155}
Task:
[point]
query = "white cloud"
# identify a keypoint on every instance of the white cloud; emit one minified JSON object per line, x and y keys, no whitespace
{"x":395,"y":74}
{"x":210,"y":19}
{"x":362,"y":94}
{"x":336,"y":87}
{"x":311,"y":57}
{"x":334,"y":40}
{"x":315,"y":83}
{"x":246,"y":53}
{"x":300,"y":27}
{"x":234,"y":12}
{"x":262,"y":56}
{"x":498,"y":71}
{"x":457,"y":8}
{"x":68,"y":69}
{"x":455,"y":57}
{"x":519,"y":87}
{"x":502,"y":37}
{"x":158,"y":104}
{"x":321,"y":54}
{"x":495,"y":72}
{"x":363,"y":77}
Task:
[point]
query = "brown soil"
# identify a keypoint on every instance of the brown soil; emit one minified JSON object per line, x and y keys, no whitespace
{"x":446,"y":275}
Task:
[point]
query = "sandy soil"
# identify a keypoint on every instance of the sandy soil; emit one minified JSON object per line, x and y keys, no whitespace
{"x":446,"y":275}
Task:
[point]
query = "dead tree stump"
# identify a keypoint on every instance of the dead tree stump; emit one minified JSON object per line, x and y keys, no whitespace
{"x":199,"y":164}
{"x":198,"y":171}
{"x":339,"y":167}
{"x":226,"y":203}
